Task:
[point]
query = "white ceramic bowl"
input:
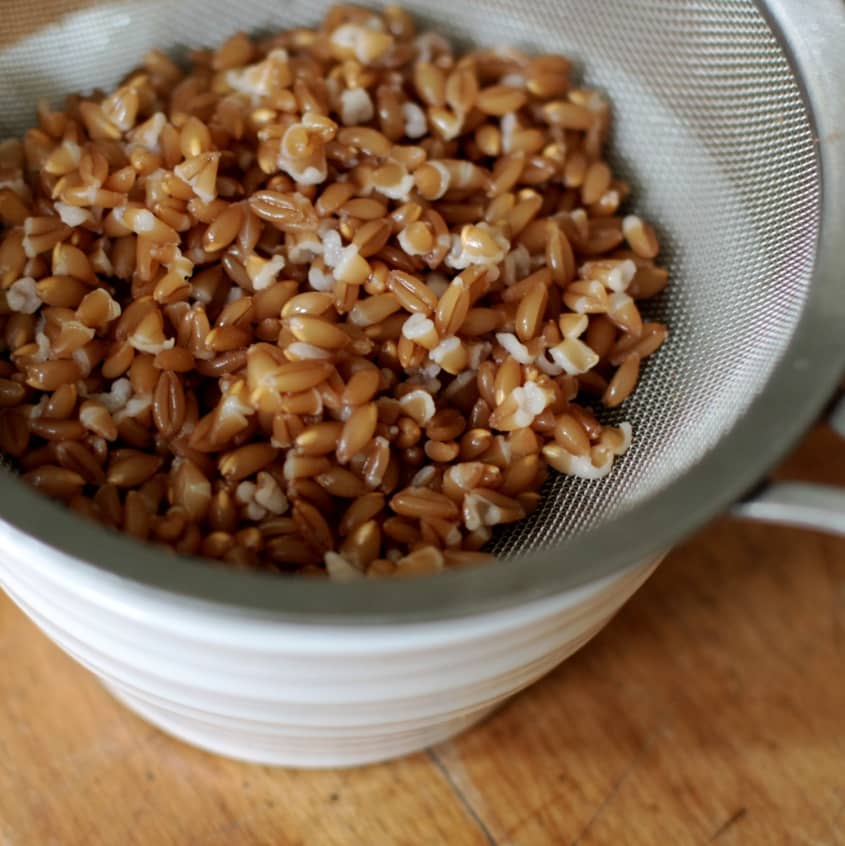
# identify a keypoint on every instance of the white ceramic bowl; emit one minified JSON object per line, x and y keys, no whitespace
{"x":293,"y":694}
{"x":255,"y":673}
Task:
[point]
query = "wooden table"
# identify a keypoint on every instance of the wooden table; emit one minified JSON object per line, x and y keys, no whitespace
{"x":711,"y":710}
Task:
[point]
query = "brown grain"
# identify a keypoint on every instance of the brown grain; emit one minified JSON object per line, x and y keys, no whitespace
{"x":11,"y":393}
{"x":649,"y":341}
{"x":318,"y":332}
{"x":130,"y":468}
{"x":648,"y":282}
{"x":246,"y":460}
{"x":319,"y":438}
{"x":342,"y":483}
{"x":530,"y":311}
{"x":55,"y":481}
{"x":362,"y":386}
{"x":51,"y":375}
{"x":169,"y":404}
{"x":357,"y":431}
{"x":413,"y":294}
{"x":499,"y":100}
{"x":306,"y":313}
{"x":312,"y":526}
{"x":422,"y":502}
{"x":57,"y":430}
{"x":623,"y":382}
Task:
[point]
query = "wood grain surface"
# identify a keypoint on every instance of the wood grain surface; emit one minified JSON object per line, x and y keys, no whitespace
{"x":711,"y":710}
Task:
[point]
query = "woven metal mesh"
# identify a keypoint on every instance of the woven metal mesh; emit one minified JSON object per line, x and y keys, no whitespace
{"x":710,"y":128}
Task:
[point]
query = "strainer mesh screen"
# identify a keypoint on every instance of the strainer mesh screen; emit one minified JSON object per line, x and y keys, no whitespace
{"x":710,"y":128}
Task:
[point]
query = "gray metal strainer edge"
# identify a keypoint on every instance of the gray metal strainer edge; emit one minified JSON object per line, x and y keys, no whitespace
{"x":793,"y":396}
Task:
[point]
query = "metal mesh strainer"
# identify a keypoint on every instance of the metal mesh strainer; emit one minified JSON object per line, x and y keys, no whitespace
{"x":717,"y":129}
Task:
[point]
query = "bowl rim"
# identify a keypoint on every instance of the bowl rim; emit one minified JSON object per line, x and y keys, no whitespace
{"x":798,"y":387}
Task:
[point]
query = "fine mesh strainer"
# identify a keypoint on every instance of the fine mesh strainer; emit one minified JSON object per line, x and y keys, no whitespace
{"x":728,"y":122}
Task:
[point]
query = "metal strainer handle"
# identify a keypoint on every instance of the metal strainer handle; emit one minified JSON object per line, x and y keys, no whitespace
{"x":801,"y":504}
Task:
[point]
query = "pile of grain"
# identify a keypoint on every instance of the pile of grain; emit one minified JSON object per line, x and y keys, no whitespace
{"x":333,"y":300}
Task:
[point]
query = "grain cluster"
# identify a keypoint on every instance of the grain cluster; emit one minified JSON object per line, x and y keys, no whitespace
{"x":332,"y":301}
